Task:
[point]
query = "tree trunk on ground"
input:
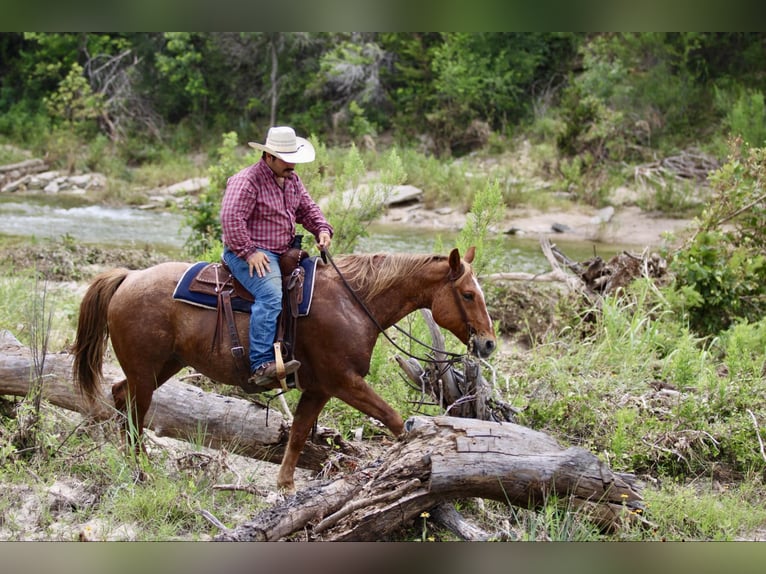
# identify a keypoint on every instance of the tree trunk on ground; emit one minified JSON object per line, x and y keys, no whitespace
{"x":445,"y":458}
{"x":438,"y":460}
{"x":178,"y":410}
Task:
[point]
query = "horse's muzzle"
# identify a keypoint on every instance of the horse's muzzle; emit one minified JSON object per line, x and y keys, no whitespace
{"x":483,"y":347}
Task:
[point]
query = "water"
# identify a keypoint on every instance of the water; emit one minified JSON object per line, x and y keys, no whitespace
{"x":112,"y":226}
{"x":517,"y":254}
{"x":130,"y":227}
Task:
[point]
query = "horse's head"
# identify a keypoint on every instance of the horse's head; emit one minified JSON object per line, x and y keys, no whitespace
{"x":459,"y":306}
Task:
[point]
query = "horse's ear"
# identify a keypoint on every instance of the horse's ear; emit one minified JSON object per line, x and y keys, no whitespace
{"x":469,"y":254}
{"x":455,"y":265}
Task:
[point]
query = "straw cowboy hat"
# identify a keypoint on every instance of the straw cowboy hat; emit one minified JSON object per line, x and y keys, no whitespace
{"x":282,"y":142}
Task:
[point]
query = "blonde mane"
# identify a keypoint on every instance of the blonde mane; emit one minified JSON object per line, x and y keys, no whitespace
{"x":370,"y":275}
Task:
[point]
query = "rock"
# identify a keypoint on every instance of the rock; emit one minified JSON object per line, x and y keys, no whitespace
{"x":188,"y":186}
{"x":603,"y":216}
{"x":62,"y":496}
{"x":624,"y":196}
{"x":46,"y":176}
{"x":16,"y":185}
{"x":397,"y":195}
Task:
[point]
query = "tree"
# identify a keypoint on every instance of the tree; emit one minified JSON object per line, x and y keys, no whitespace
{"x":721,"y":270}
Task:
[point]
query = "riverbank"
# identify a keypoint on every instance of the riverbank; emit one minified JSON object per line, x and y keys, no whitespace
{"x":627,"y":225}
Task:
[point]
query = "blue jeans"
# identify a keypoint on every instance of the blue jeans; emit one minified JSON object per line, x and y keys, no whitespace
{"x":267,"y":291}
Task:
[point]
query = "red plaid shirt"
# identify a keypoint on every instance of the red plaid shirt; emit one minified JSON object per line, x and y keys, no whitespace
{"x":257,"y":214}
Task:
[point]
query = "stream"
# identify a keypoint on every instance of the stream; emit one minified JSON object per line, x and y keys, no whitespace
{"x":33,"y":218}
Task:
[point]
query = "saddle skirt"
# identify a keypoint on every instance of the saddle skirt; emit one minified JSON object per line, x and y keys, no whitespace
{"x":201,"y":283}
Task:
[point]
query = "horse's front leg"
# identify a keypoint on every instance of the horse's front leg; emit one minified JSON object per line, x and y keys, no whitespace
{"x":358,"y":394}
{"x":309,"y":406}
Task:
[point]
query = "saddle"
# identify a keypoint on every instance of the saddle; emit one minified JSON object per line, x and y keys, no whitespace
{"x":216,"y":280}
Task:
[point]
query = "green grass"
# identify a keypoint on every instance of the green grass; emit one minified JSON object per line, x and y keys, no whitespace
{"x":20,"y":292}
{"x":626,"y":380}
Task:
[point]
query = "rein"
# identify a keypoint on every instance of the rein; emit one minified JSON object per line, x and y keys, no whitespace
{"x":454,"y":356}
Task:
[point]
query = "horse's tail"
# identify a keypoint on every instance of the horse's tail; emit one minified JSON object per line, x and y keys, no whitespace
{"x":93,"y":332}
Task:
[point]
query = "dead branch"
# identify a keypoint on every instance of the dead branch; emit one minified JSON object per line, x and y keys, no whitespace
{"x":442,"y":459}
{"x":688,"y":165}
{"x":178,"y":410}
{"x":461,"y":393}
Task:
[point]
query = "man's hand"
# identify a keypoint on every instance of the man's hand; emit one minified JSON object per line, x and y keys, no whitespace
{"x":324,"y":240}
{"x":259,"y":263}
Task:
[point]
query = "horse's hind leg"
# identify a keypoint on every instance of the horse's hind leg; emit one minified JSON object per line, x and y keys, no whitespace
{"x":133,"y":401}
{"x":309,"y":406}
{"x":133,"y":407}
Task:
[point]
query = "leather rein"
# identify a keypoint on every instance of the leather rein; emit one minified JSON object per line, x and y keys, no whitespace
{"x":454,"y":356}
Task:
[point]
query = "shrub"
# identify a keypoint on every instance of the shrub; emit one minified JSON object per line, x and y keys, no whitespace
{"x":721,"y":271}
{"x":747,"y":118}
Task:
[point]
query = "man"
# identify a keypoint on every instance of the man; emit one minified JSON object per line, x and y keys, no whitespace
{"x":260,"y":208}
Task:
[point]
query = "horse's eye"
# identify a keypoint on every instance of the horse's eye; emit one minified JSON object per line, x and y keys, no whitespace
{"x":468,"y":296}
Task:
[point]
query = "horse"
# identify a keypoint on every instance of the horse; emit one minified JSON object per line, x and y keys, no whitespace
{"x":154,"y":336}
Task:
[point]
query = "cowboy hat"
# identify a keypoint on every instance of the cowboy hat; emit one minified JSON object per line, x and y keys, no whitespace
{"x":282,"y":142}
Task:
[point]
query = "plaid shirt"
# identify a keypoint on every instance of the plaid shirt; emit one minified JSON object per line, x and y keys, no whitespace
{"x":257,"y":214}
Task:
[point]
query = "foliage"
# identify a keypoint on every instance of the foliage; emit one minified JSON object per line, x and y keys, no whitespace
{"x":485,"y":213}
{"x":747,"y":119}
{"x":716,"y":512}
{"x":202,"y":215}
{"x":721,"y":270}
{"x":355,"y":203}
{"x":74,"y":102}
{"x":645,"y":391}
{"x":180,"y":63}
{"x":451,"y":92}
{"x":589,"y":127}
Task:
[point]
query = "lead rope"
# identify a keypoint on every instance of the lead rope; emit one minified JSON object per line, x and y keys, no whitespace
{"x":455,"y":356}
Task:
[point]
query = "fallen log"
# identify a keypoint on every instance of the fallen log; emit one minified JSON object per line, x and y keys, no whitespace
{"x":445,"y":458}
{"x":179,"y":410}
{"x":439,"y":459}
{"x":24,"y":166}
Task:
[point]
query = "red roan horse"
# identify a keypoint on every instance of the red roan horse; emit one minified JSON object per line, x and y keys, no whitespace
{"x":154,"y":336}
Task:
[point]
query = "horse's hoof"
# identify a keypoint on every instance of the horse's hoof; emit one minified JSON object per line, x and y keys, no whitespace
{"x":286,"y":488}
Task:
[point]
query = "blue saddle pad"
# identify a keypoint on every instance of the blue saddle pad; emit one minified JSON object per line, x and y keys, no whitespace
{"x":182,"y":292}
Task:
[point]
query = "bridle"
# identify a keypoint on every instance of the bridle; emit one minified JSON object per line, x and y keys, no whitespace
{"x":453,"y":277}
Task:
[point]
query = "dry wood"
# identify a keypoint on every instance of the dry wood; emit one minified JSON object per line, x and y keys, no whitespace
{"x":447,"y":516}
{"x":446,"y":458}
{"x":29,"y":165}
{"x":461,"y":393}
{"x":439,"y":459}
{"x":178,"y":410}
{"x":688,"y":165}
{"x":595,"y":277}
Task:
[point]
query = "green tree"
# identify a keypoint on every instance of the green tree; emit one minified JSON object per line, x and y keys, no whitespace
{"x":74,"y":108}
{"x":202,"y":216}
{"x":486,"y":211}
{"x":454,"y":80}
{"x":74,"y":103}
{"x":721,"y":270}
{"x":355,"y":204}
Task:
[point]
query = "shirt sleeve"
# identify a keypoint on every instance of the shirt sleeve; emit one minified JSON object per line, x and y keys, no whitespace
{"x":236,"y":208}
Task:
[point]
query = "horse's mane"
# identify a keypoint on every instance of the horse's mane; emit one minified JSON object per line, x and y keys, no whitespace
{"x":371,"y":274}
